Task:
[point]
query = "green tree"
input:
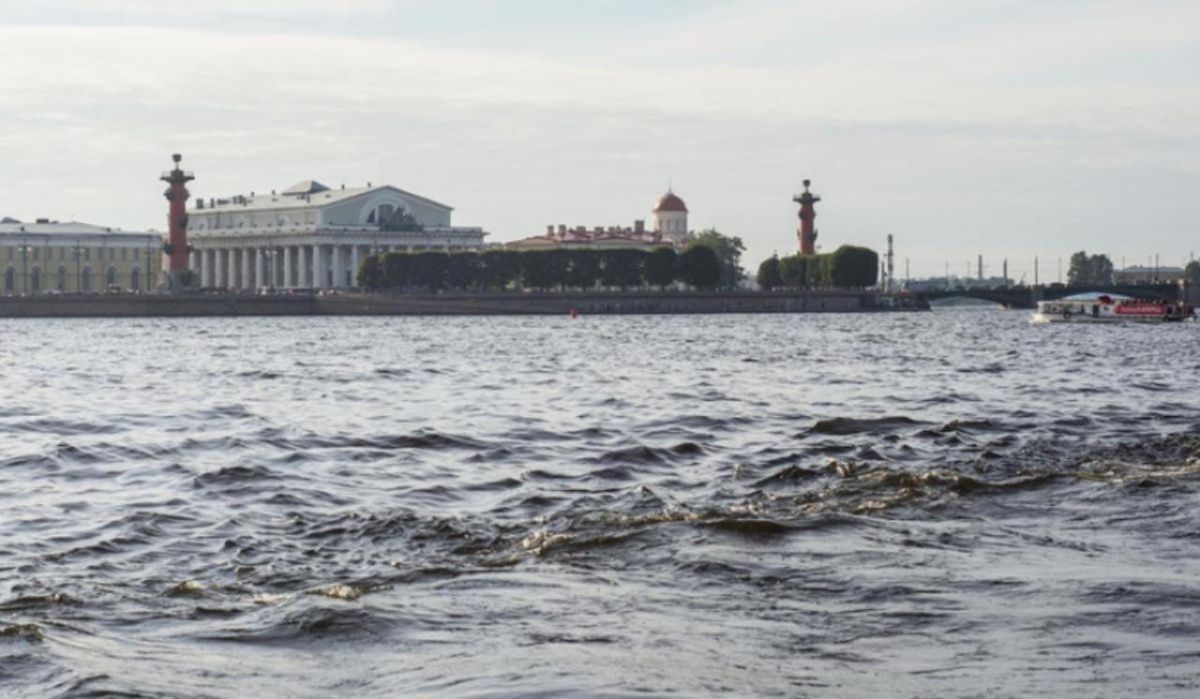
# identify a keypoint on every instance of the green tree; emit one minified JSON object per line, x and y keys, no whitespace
{"x":499,"y":268}
{"x":1078,"y":272}
{"x":699,"y":267}
{"x":768,"y":274}
{"x":661,"y":266}
{"x":729,"y":251}
{"x":427,"y":270}
{"x":559,"y":260}
{"x":793,"y":271}
{"x":1089,"y":269}
{"x":537,"y":270}
{"x":370,"y":273}
{"x":397,"y":267}
{"x":851,"y":266}
{"x":818,"y":270}
{"x":463,"y":271}
{"x":1102,"y":270}
{"x":622,"y":268}
{"x":583,"y":269}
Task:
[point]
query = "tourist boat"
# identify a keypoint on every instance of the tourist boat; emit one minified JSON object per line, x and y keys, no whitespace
{"x":1106,"y":308}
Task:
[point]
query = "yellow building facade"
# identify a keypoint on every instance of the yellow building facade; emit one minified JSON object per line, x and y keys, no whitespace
{"x":52,"y":257}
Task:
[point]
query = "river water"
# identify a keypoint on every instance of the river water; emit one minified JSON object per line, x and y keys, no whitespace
{"x":941,"y":504}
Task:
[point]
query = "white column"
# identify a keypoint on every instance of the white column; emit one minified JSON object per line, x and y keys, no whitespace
{"x":354,"y":265}
{"x":194,"y":261}
{"x":339,"y":273}
{"x":318,"y":278}
{"x":303,"y":267}
{"x":219,"y":267}
{"x":288,"y":282}
{"x":247,"y":278}
{"x":231,"y":268}
{"x":261,"y":276}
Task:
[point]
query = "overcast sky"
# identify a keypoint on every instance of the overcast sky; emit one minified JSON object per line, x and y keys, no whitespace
{"x":1008,"y":128}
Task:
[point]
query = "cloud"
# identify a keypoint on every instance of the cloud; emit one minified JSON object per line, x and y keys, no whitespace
{"x":164,"y":9}
{"x":1008,"y":116}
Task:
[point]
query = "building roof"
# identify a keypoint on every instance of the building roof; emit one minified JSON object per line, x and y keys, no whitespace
{"x":1138,"y":269}
{"x":317,"y":196}
{"x":305,"y":187}
{"x":44,"y":227}
{"x":670,"y":202}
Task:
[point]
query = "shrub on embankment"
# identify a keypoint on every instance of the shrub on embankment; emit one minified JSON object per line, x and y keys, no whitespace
{"x":848,"y":267}
{"x":697,"y":267}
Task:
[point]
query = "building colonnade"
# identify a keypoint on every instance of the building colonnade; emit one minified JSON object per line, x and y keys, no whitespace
{"x":307,"y":266}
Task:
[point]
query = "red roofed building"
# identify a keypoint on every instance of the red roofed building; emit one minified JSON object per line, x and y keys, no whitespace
{"x":669,"y":226}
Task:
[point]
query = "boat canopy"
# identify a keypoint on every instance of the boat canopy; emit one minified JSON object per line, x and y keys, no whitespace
{"x":1095,"y":296}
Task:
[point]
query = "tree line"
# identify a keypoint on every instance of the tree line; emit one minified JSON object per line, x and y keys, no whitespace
{"x":847,"y":267}
{"x":1098,"y":269}
{"x":697,"y":267}
{"x":1089,"y":269}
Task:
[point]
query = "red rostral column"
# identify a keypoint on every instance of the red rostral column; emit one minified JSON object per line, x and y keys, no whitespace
{"x":177,"y":220}
{"x":808,"y":217}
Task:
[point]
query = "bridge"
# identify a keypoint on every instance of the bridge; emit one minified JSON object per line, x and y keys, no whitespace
{"x":1028,"y":296}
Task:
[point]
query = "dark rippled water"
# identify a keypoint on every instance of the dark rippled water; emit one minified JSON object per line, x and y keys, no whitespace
{"x":943,"y":504}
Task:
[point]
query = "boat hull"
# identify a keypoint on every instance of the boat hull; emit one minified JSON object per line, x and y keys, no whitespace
{"x":1107,"y":309}
{"x":1081,"y":318}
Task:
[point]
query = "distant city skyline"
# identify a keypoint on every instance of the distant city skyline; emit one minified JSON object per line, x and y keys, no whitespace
{"x":1000,"y":127}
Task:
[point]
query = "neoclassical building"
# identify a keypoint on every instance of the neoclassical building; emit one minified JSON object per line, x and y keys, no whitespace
{"x":48,"y":256}
{"x":668,"y":226}
{"x":312,"y":236}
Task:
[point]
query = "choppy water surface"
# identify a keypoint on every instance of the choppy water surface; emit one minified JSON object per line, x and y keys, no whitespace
{"x":952,"y":503}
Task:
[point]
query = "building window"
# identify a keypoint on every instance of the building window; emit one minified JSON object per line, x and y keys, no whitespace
{"x":35,"y":253}
{"x":61,"y":281}
{"x":135,"y":279}
{"x":10,"y":280}
{"x":86,"y":283}
{"x":111,"y":277}
{"x":35,"y":280}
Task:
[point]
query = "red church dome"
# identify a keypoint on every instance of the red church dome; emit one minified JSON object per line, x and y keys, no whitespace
{"x":670,"y":202}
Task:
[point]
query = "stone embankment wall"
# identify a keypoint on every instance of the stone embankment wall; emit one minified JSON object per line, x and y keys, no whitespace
{"x":599,"y":303}
{"x":121,"y":305}
{"x":440,"y":304}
